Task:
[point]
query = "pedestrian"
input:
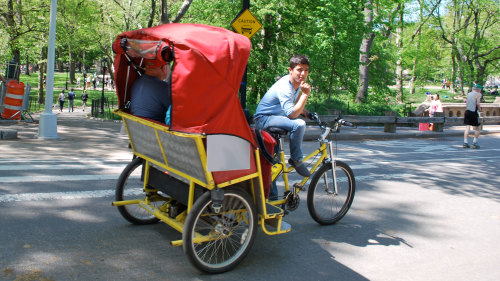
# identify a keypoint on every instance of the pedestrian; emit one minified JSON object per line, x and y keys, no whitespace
{"x":85,"y":97}
{"x":281,"y":106}
{"x":436,"y":106}
{"x":62,"y":98}
{"x":78,"y":80}
{"x":471,"y":117}
{"x":494,"y":92}
{"x":71,"y":100}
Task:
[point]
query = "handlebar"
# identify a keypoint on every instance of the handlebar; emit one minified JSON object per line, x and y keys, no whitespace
{"x":338,"y":122}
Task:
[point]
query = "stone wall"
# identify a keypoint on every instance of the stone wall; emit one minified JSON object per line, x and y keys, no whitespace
{"x":458,"y":109}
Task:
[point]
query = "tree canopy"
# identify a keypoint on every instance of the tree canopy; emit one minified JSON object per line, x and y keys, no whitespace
{"x":361,"y":47}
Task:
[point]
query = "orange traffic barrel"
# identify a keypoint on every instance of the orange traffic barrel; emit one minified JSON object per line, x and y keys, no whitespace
{"x":13,"y":100}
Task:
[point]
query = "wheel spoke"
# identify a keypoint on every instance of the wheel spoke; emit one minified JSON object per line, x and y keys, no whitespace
{"x":325,"y":205}
{"x":228,"y":236}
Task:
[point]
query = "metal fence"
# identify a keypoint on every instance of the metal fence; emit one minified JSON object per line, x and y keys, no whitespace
{"x":98,"y":109}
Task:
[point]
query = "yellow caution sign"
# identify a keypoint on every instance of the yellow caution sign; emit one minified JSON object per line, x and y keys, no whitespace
{"x":246,"y":24}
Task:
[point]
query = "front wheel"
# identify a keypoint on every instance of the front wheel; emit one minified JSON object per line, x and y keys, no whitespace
{"x":216,"y":242}
{"x":324,"y":204}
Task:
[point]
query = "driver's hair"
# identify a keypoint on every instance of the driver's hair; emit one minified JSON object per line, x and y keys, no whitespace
{"x":299,"y":59}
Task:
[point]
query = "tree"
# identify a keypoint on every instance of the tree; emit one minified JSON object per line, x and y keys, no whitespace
{"x":473,"y":37}
{"x":399,"y":46}
{"x":364,"y":52}
{"x":19,"y":20}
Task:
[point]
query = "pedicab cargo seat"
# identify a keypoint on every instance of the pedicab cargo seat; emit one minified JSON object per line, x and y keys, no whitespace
{"x":207,"y":67}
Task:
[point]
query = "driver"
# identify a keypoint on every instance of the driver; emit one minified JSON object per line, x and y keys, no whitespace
{"x":150,"y":94}
{"x":281,"y":106}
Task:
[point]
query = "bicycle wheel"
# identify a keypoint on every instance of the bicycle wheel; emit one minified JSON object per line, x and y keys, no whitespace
{"x":130,"y":187}
{"x":324,"y":206}
{"x":217,"y":242}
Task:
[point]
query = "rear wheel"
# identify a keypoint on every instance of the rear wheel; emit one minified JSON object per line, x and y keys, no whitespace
{"x":130,"y":187}
{"x":324,"y":205}
{"x":216,"y":242}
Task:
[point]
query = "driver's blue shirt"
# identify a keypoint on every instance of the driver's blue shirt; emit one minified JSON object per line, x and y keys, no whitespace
{"x":279,"y":99}
{"x":150,"y":98}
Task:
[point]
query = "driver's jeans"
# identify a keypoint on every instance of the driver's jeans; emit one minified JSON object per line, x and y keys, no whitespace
{"x":296,"y":129}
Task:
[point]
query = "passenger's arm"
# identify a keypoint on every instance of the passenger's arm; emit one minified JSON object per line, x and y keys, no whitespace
{"x":300,"y":105}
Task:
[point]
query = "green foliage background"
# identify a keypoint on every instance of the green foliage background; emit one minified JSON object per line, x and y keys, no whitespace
{"x":329,"y":32}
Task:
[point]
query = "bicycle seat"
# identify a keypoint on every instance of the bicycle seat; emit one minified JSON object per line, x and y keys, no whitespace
{"x":276,"y":131}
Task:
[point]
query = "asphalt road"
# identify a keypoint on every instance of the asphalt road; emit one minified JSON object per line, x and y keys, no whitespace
{"x":425,"y":209}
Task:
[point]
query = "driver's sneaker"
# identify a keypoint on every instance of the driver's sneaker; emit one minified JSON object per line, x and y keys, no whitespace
{"x":299,"y":167}
{"x":475,"y":145}
{"x":465,"y":145}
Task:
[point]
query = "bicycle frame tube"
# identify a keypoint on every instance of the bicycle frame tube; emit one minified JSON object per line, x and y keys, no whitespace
{"x":281,"y":167}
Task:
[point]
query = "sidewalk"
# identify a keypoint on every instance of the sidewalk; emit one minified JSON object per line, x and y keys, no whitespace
{"x":80,"y":135}
{"x":377,"y":133}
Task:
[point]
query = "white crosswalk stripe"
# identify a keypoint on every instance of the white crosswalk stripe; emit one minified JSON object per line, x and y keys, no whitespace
{"x":13,"y":171}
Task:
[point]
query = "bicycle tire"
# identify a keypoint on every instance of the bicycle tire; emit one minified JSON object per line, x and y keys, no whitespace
{"x":233,"y":229}
{"x":131,"y":187}
{"x":324,"y":206}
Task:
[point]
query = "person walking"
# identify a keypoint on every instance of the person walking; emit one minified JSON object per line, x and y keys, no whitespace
{"x":85,"y":97}
{"x":471,"y":117}
{"x":62,"y":98}
{"x":71,"y":100}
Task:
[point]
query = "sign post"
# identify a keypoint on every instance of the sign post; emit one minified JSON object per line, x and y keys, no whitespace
{"x":247,"y":25}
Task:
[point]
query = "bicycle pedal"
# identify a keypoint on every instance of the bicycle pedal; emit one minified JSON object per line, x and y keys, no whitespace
{"x":300,"y":187}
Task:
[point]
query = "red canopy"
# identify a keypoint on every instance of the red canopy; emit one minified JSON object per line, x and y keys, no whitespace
{"x":209,"y":63}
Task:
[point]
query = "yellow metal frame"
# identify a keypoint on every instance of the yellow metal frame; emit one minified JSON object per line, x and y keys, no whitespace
{"x":282,"y":168}
{"x":255,"y":180}
{"x":178,"y":222}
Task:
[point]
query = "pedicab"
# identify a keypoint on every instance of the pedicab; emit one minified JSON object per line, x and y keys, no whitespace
{"x":204,"y":174}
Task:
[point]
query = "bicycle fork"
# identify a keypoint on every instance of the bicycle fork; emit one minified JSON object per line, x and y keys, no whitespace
{"x":334,"y":175}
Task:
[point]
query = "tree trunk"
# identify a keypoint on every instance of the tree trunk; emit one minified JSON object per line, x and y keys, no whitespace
{"x":453,"y":73}
{"x":364,"y":53}
{"x":27,"y":64}
{"x":182,"y":10}
{"x":415,"y":63}
{"x":480,"y":71}
{"x":399,"y":62}
{"x":71,"y":66}
{"x":471,"y":74}
{"x":332,"y":74}
{"x":460,"y":74}
{"x":41,"y":76}
{"x":152,"y":13}
{"x":164,"y":12}
{"x":417,"y":49}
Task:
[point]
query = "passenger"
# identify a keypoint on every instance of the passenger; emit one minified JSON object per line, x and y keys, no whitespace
{"x":281,"y":106}
{"x":150,"y":94}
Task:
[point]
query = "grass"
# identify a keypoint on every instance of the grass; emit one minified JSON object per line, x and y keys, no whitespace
{"x":377,"y":104}
{"x":342,"y":100}
{"x":60,"y":80}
